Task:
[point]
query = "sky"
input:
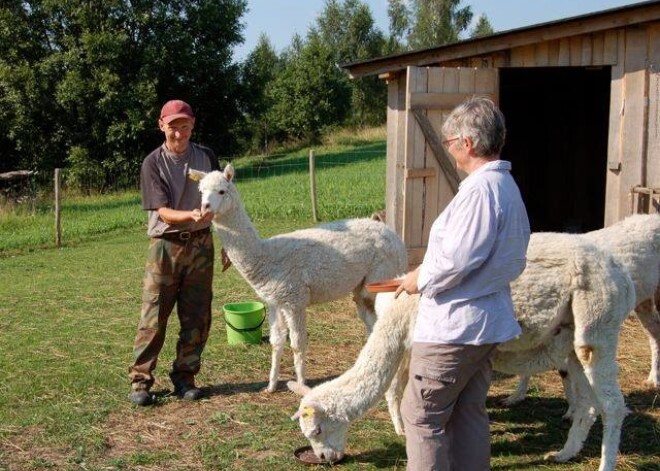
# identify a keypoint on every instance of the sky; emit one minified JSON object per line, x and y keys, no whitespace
{"x":281,"y":19}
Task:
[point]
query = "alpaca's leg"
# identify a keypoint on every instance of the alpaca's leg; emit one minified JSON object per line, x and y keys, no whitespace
{"x":520,"y":392}
{"x":394,"y":393}
{"x":595,"y":346}
{"x":297,"y":322}
{"x":601,"y":371}
{"x":569,"y":392}
{"x":584,"y":414}
{"x":277,"y":341}
{"x":650,"y":319}
{"x":365,"y":308}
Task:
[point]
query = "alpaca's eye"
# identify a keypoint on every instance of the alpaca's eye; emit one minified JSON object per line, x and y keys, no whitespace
{"x":221,"y":192}
{"x":317,"y":430}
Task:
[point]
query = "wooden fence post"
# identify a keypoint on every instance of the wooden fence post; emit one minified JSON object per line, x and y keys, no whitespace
{"x":312,"y":183}
{"x":58,"y":232}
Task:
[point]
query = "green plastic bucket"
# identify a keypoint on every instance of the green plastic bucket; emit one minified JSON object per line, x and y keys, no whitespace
{"x":244,"y":321}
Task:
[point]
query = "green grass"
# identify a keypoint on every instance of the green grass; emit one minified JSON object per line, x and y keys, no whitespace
{"x":350,"y":182}
{"x":68,"y":318}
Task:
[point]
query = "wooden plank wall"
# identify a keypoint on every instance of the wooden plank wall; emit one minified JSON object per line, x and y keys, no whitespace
{"x":396,"y":105}
{"x":653,"y":122}
{"x":585,"y":50}
{"x":415,"y":158}
{"x":634,"y":144}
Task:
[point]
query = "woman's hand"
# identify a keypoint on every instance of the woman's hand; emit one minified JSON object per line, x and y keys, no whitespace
{"x":408,"y":284}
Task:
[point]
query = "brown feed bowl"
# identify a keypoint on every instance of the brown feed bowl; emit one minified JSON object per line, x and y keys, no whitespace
{"x":305,"y":455}
{"x":383,"y":286}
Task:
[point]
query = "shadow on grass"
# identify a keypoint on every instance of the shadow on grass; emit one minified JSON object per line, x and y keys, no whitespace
{"x":230,"y":389}
{"x":536,"y":426}
{"x":381,"y":458}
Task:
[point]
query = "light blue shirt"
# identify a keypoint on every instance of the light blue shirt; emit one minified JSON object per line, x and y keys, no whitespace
{"x":476,"y":247}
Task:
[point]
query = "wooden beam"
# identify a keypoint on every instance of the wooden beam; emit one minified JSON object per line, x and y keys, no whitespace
{"x":428,"y":172}
{"x":442,"y":101}
{"x":436,"y":147}
{"x":16,"y":174}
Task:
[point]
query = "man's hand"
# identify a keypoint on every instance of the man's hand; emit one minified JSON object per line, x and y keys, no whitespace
{"x":408,"y":284}
{"x":197,"y":216}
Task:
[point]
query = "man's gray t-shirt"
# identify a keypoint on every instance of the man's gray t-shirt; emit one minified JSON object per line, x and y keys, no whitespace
{"x":164,"y":182}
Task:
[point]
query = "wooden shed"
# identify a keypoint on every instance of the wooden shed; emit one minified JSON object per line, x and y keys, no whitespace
{"x":580,"y":96}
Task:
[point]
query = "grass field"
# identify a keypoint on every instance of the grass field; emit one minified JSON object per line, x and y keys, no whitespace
{"x":68,"y":318}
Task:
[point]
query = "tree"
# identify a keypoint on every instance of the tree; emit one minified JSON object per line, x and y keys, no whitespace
{"x":81,"y":83}
{"x":399,"y":16}
{"x":27,"y":110}
{"x":258,"y":72}
{"x":348,"y":29}
{"x":482,"y":27}
{"x":309,"y":94}
{"x":437,"y":22}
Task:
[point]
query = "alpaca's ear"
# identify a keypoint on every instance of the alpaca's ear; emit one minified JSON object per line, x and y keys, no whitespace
{"x":299,"y":389}
{"x":229,"y":172}
{"x":195,"y":175}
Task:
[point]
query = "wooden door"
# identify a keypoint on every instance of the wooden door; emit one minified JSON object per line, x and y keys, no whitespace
{"x":430,"y":178}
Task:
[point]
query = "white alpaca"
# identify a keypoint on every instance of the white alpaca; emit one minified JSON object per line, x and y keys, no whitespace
{"x":570,"y":300}
{"x":635,"y":243}
{"x":291,"y":271}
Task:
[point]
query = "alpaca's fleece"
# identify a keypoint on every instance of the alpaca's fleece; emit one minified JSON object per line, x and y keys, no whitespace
{"x":634,"y":243}
{"x":291,"y":271}
{"x":582,"y":300}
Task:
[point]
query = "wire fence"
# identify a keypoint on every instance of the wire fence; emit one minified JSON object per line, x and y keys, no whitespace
{"x":355,"y":171}
{"x":282,"y":164}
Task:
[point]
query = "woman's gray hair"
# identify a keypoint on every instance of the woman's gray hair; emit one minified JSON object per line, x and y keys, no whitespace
{"x":479,"y":119}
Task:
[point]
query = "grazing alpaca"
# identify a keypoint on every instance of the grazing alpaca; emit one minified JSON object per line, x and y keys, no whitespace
{"x":635,"y":243}
{"x":570,"y":300}
{"x":291,"y":271}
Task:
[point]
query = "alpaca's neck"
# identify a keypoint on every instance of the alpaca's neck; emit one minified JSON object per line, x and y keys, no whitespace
{"x":360,"y":388}
{"x":242,"y":243}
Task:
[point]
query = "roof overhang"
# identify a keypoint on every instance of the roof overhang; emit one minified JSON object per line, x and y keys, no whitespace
{"x":614,"y":18}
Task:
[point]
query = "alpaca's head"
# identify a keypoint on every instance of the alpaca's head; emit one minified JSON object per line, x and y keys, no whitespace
{"x":219,"y":194}
{"x":326,"y":434}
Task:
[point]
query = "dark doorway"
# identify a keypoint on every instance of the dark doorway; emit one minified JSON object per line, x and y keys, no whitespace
{"x":557,"y":125}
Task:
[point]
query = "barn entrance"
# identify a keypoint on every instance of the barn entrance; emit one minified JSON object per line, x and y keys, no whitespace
{"x":557,"y":121}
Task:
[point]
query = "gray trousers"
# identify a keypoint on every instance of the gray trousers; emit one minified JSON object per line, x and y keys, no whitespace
{"x":444,"y":407}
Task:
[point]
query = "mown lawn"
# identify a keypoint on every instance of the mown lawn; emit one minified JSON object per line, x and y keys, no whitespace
{"x":67,"y":322}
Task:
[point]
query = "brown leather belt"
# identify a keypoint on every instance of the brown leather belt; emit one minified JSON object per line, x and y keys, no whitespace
{"x":184,"y":235}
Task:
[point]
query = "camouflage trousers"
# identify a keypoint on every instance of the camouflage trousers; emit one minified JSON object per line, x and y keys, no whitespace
{"x":181,"y":273}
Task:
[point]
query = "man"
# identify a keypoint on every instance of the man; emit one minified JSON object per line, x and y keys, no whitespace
{"x":476,"y":248}
{"x":179,"y":268}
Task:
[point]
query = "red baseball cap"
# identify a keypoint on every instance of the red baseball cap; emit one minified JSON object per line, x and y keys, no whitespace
{"x":175,"y":109}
